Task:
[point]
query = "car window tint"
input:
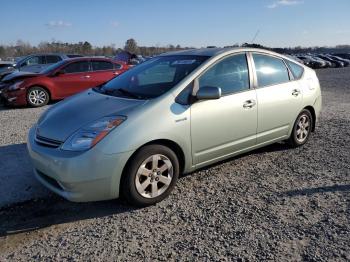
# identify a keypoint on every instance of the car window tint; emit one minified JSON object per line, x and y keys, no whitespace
{"x":117,"y":66}
{"x":35,"y":60}
{"x":51,"y":59}
{"x":230,"y":74}
{"x":270,"y":70}
{"x":296,"y":69}
{"x":162,"y":73}
{"x":77,"y":67}
{"x":101,"y":65}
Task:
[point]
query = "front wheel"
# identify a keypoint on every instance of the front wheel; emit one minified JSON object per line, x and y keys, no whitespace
{"x":150,"y":176}
{"x":301,"y":129}
{"x":37,"y":96}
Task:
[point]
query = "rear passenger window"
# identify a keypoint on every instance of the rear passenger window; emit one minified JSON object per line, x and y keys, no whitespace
{"x":77,"y":67}
{"x":296,"y":69}
{"x":35,"y":60}
{"x":51,"y":59}
{"x":230,"y":74}
{"x":270,"y":70}
{"x":101,"y":65}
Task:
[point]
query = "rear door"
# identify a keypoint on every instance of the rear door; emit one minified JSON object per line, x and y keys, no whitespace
{"x":279,"y":97}
{"x":102,"y":71}
{"x":75,"y":78}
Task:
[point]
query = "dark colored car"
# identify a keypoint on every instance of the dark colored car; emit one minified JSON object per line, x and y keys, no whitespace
{"x":311,"y":62}
{"x":343,"y":55}
{"x":335,"y":63}
{"x":345,"y":61}
{"x":58,"y":81}
{"x":6,"y":68}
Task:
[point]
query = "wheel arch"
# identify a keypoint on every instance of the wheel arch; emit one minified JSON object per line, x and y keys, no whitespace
{"x":313,"y":114}
{"x":42,"y":86}
{"x":164,"y":142}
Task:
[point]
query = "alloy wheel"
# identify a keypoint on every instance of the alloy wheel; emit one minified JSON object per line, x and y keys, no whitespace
{"x":154,"y":176}
{"x":37,"y":97}
{"x":303,"y":128}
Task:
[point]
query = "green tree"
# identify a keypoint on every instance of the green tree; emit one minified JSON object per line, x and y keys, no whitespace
{"x":86,"y":48}
{"x":131,"y":46}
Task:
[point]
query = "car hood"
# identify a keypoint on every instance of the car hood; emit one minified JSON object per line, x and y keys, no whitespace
{"x":19,"y":75}
{"x":66,"y":117}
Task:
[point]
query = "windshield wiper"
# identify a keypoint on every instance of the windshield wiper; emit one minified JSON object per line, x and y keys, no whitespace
{"x":128,"y":93}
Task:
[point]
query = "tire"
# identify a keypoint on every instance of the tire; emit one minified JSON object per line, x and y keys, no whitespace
{"x":150,"y":175}
{"x":302,"y":129}
{"x":37,"y":96}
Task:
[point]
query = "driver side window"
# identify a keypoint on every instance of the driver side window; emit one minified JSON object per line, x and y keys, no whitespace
{"x":230,"y":74}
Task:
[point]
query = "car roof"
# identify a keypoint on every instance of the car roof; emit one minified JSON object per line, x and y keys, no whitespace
{"x":89,"y":58}
{"x":211,"y":52}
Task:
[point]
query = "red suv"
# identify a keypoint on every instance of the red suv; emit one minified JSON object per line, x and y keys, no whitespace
{"x":58,"y":81}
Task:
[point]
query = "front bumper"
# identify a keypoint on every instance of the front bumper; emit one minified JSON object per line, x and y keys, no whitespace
{"x":15,"y":98}
{"x":77,"y":176}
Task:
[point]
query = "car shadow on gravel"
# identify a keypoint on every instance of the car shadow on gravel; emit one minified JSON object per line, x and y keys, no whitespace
{"x":40,"y":213}
{"x":276,"y":147}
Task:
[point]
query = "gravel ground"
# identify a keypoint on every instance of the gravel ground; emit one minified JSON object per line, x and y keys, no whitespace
{"x":275,"y":203}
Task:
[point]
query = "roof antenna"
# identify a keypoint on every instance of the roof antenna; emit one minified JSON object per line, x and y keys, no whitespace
{"x":255,"y":36}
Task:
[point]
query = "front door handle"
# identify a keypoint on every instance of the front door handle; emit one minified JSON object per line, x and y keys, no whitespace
{"x":296,"y":92}
{"x":85,"y":76}
{"x":249,"y":104}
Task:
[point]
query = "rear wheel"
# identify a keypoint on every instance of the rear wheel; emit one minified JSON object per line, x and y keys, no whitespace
{"x":150,"y":176}
{"x":37,"y":96}
{"x":302,"y":129}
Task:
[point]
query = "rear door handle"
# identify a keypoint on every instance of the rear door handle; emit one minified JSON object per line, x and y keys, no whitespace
{"x":249,"y":104}
{"x":296,"y":92}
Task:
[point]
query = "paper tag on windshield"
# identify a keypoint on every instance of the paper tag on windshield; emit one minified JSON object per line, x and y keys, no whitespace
{"x":183,"y":62}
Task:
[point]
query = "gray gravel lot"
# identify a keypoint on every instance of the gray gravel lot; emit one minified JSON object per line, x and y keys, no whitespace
{"x":275,"y":203}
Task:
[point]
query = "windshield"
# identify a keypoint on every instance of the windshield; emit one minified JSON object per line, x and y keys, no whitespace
{"x":53,"y":67}
{"x":152,"y":78}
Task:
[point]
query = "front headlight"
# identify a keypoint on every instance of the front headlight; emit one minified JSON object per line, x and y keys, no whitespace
{"x":15,"y":86}
{"x":90,"y":135}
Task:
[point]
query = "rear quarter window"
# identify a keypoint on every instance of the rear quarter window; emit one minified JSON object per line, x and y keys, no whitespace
{"x":101,"y":65}
{"x":51,"y":59}
{"x":296,"y":69}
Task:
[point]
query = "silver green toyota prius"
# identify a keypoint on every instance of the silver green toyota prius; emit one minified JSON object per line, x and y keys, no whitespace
{"x":173,"y":114}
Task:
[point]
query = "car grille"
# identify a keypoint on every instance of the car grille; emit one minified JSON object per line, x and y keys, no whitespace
{"x":43,"y":141}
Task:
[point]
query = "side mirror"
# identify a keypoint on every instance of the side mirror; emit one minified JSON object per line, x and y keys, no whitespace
{"x":208,"y":92}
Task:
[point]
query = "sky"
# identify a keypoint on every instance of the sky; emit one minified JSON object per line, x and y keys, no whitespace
{"x":195,"y":23}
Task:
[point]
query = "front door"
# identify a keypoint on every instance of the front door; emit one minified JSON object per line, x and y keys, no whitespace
{"x":75,"y":78}
{"x":225,"y":126}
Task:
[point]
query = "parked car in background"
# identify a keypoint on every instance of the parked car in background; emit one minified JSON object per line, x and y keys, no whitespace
{"x":335,"y":63}
{"x":324,"y":63}
{"x":344,"y":60}
{"x":343,"y":55}
{"x":6,"y":67}
{"x":312,"y":62}
{"x":36,"y":63}
{"x":176,"y":113}
{"x":58,"y":81}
